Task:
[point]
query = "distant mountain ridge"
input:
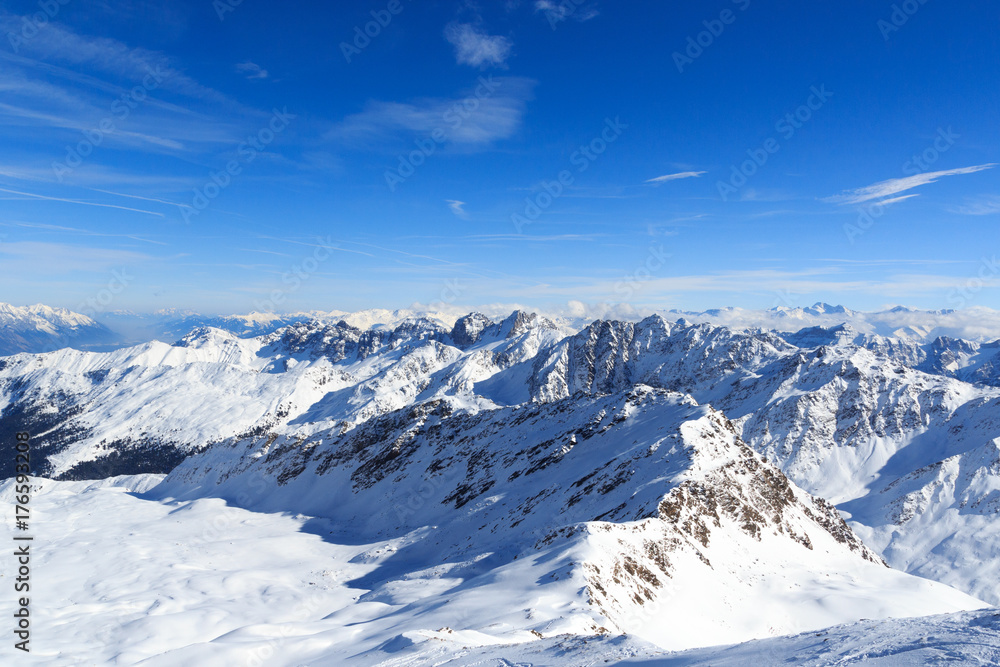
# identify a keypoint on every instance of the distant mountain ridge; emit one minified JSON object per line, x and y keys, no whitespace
{"x":39,"y":328}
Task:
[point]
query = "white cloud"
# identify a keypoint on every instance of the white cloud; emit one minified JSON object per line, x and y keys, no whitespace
{"x":491,"y":112}
{"x":674,"y":177}
{"x":457,"y":207}
{"x":988,"y":205}
{"x":896,"y":200}
{"x":476,"y":48}
{"x":76,"y":201}
{"x":895,"y":186}
{"x":61,"y":83}
{"x":557,"y":12}
{"x":56,"y":43}
{"x":251,"y":70}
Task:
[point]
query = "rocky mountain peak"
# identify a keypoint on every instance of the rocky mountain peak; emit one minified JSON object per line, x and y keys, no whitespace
{"x":468,"y":330}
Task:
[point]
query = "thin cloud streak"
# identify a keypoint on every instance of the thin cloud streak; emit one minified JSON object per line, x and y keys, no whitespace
{"x":895,"y":186}
{"x":675,"y":177}
{"x":74,"y":230}
{"x":84,"y":203}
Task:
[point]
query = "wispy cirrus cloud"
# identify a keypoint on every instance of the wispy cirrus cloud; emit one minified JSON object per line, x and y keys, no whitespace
{"x":251,"y":70}
{"x":63,"y":87}
{"x":676,"y":177}
{"x":61,"y":230}
{"x":895,"y":186}
{"x":21,"y":115}
{"x":557,"y":12}
{"x":492,"y":112}
{"x":77,"y":201}
{"x":457,"y":207}
{"x":896,"y":200}
{"x":987,"y":205}
{"x":59,"y":44}
{"x":476,"y":48}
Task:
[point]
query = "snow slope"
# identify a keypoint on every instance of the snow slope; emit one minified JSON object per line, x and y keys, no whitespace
{"x":141,"y":580}
{"x":964,"y":639}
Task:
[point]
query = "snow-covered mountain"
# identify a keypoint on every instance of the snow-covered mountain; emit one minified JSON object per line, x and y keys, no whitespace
{"x":640,"y":512}
{"x":617,"y":461}
{"x":142,"y":409}
{"x":40,"y":328}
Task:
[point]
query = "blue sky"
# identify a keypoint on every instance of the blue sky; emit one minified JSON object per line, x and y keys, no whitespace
{"x":232,"y":156}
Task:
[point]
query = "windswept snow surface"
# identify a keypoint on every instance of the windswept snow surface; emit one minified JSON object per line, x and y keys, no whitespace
{"x":964,"y":639}
{"x":141,"y":581}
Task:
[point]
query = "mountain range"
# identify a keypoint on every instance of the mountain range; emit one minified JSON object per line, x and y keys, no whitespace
{"x":685,"y":482}
{"x":40,"y":328}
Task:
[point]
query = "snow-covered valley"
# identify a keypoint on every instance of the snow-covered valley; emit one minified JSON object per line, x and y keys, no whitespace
{"x":139,"y":580}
